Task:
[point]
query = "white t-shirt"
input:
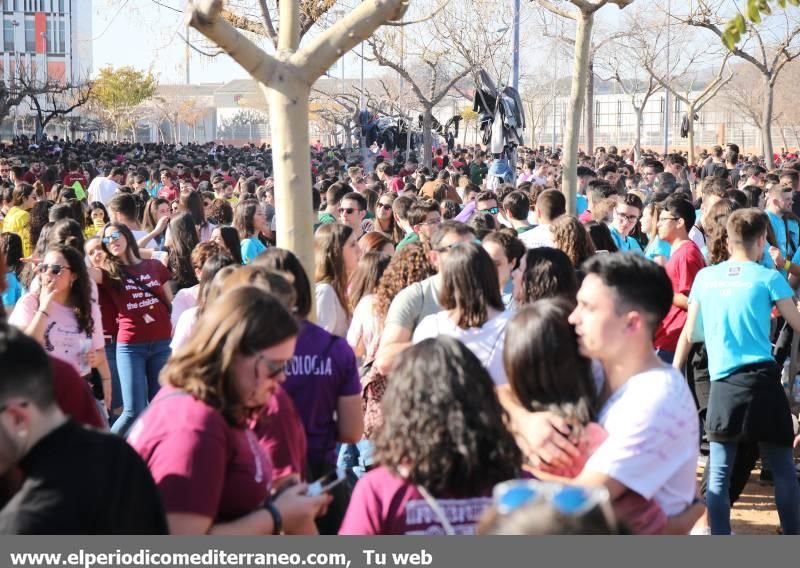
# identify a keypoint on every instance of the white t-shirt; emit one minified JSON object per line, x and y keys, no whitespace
{"x":331,"y":315}
{"x":102,"y":189}
{"x":697,"y":237}
{"x":364,"y":327}
{"x":183,"y":300}
{"x":539,"y":236}
{"x":183,"y":329}
{"x":485,"y":342}
{"x":652,"y":444}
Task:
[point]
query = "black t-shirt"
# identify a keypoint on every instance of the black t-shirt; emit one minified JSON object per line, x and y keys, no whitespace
{"x":82,"y":481}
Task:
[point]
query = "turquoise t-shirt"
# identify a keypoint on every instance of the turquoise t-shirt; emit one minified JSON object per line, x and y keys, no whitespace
{"x":251,"y":248}
{"x":766,"y":260}
{"x":625,"y":244}
{"x":657,"y":247}
{"x":581,"y":204}
{"x":735,"y":300}
{"x":14,"y":290}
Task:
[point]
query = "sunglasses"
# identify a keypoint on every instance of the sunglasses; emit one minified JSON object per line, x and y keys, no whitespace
{"x":274,"y":368}
{"x":112,"y":237}
{"x":492,"y":210}
{"x":568,"y":500}
{"x":386,"y":206}
{"x":55,"y":269}
{"x":348,"y":210}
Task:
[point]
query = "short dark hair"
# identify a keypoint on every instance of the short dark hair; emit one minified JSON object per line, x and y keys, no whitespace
{"x":745,"y":226}
{"x":358,"y":198}
{"x":551,"y":204}
{"x":486,"y":196}
{"x":638,"y":282}
{"x":681,"y":209}
{"x":583,"y":172}
{"x":447,"y":227}
{"x":26,"y":369}
{"x":282,"y":260}
{"x":124,"y":204}
{"x":419,"y":211}
{"x":337,"y":191}
{"x":549,"y":273}
{"x":518,"y":205}
{"x":657,"y":166}
{"x":632,"y":200}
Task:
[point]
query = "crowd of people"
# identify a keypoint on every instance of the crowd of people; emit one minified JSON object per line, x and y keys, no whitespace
{"x":463,"y":357}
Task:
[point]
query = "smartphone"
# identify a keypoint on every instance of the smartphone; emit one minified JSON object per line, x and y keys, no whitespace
{"x":327,"y":482}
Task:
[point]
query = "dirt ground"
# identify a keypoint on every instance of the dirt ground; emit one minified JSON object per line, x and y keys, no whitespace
{"x":754,"y":512}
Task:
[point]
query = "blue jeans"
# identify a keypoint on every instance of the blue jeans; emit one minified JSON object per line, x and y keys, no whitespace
{"x":138,"y":365}
{"x":111,"y":357}
{"x":787,"y":490}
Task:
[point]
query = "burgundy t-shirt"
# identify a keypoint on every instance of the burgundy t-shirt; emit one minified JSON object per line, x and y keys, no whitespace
{"x":280,"y":433}
{"x":73,"y":395}
{"x":200,"y":463}
{"x":168,"y":193}
{"x":141,"y":315}
{"x":385,"y":504}
{"x":682,"y":267}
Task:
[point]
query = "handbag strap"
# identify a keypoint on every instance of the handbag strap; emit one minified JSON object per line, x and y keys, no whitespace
{"x":437,"y":510}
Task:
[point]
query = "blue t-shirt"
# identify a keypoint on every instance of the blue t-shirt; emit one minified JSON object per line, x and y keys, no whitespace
{"x":735,"y":300}
{"x":251,"y":248}
{"x":625,"y":244}
{"x":657,"y":247}
{"x":581,"y":204}
{"x":14,"y":290}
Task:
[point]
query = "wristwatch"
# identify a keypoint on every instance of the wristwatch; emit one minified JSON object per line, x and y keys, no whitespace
{"x":277,"y":520}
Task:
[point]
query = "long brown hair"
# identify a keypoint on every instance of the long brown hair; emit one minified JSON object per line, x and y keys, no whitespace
{"x":242,"y":322}
{"x":112,"y":264}
{"x":469,"y":284}
{"x":329,"y":242}
{"x":80,"y":292}
{"x":365,"y":280}
{"x":571,"y":237}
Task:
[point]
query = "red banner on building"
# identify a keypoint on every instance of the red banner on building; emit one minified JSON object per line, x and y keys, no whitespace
{"x":40,"y":25}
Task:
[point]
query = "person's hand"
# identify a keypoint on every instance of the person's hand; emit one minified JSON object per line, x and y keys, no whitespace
{"x":298,"y":509}
{"x":683,"y":522}
{"x":107,"y":395}
{"x":796,"y":442}
{"x":777,"y":257}
{"x":162,"y":224}
{"x":31,"y":260}
{"x":545,"y":439}
{"x":92,"y":358}
{"x":46,"y":293}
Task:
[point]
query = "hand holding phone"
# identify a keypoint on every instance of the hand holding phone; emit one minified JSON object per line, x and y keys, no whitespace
{"x":327,"y":482}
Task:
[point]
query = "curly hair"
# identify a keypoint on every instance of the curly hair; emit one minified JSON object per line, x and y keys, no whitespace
{"x":571,"y":237}
{"x":443,"y":425}
{"x":715,"y":225}
{"x":409,"y":265}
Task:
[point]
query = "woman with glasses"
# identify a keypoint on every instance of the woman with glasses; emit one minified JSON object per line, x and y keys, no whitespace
{"x":62,"y":316}
{"x":442,"y":447}
{"x":213,"y":476}
{"x":384,"y":218}
{"x":138,"y":288}
{"x":251,"y":223}
{"x":336,"y":254}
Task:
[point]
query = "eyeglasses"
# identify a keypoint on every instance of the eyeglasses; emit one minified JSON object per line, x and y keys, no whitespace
{"x":568,"y":500}
{"x":628,"y":218}
{"x":348,"y":210}
{"x":492,"y":210}
{"x":112,"y":237}
{"x":386,"y":206}
{"x":274,"y":368}
{"x":55,"y":269}
{"x":660,"y":219}
{"x":432,"y":222}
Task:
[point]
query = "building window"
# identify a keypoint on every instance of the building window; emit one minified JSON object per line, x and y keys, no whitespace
{"x":30,"y":35}
{"x":60,"y":6}
{"x":10,"y":5}
{"x":8,"y":35}
{"x":61,"y":44}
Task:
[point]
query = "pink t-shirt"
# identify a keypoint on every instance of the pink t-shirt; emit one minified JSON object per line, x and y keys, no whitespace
{"x":62,"y":337}
{"x":280,"y":432}
{"x":201,"y":464}
{"x":383,"y":503}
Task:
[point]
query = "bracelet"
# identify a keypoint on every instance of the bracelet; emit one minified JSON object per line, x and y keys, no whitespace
{"x":277,"y":520}
{"x":43,"y":312}
{"x":787,"y":265}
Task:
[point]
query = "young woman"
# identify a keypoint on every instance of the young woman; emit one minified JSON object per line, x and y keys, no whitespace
{"x":384,"y":218}
{"x":250,"y":222}
{"x":156,"y":210}
{"x":336,"y":255}
{"x":18,"y":219}
{"x":442,"y":448}
{"x":571,"y":237}
{"x":322,"y":380}
{"x":11,"y":251}
{"x":213,"y":476}
{"x":64,"y":319}
{"x":377,"y":242}
{"x":657,"y":250}
{"x":181,"y":242}
{"x":138,"y":288}
{"x":228,"y":238}
{"x":39,"y":217}
{"x":544,"y":273}
{"x":187,"y":297}
{"x":192,"y":203}
{"x":363,"y":332}
{"x":473,"y":310}
{"x":601,"y":236}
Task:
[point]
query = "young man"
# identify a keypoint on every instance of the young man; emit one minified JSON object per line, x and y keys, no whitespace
{"x":585,"y":175}
{"x":516,"y":206}
{"x":478,"y":170}
{"x":787,"y":232}
{"x":650,"y":170}
{"x":122,"y":209}
{"x":730,"y":308}
{"x":352,"y":211}
{"x":333,"y":199}
{"x":102,"y":189}
{"x":685,"y":261}
{"x":423,"y":217}
{"x":60,"y":495}
{"x":716,"y":161}
{"x":486,"y":202}
{"x":169,"y":190}
{"x":550,"y":205}
{"x":713,"y":191}
{"x":626,"y":213}
{"x":648,"y":410}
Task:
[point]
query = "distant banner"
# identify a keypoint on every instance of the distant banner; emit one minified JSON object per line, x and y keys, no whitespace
{"x":364,"y":552}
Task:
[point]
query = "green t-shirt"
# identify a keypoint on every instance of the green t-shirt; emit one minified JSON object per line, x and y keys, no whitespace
{"x":326,"y":218}
{"x":408,"y":239}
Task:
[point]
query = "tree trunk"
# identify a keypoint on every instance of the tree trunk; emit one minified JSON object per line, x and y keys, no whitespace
{"x":783,"y":135}
{"x":288,"y":108}
{"x":590,"y":108}
{"x":427,"y":137}
{"x":569,"y":180}
{"x":691,"y":134}
{"x":637,"y":143}
{"x":766,"y":122}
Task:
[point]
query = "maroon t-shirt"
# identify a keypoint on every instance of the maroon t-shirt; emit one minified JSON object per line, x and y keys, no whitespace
{"x":168,"y":193}
{"x":71,"y":178}
{"x":141,"y":313}
{"x":280,"y":433}
{"x":200,"y":463}
{"x":73,"y":395}
{"x":682,"y":267}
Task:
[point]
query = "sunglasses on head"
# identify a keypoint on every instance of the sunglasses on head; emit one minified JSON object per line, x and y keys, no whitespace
{"x":568,"y":500}
{"x":348,"y":210}
{"x":54,"y":269}
{"x":111,"y":237}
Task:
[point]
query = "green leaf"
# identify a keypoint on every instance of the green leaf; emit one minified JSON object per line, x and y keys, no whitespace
{"x":739,"y":24}
{"x":753,"y":13}
{"x":730,"y":39}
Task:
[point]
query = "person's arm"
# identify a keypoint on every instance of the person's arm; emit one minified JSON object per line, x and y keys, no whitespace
{"x":685,"y":339}
{"x":394,"y":340}
{"x":349,"y":419}
{"x":681,"y":301}
{"x":160,"y":227}
{"x":789,"y":312}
